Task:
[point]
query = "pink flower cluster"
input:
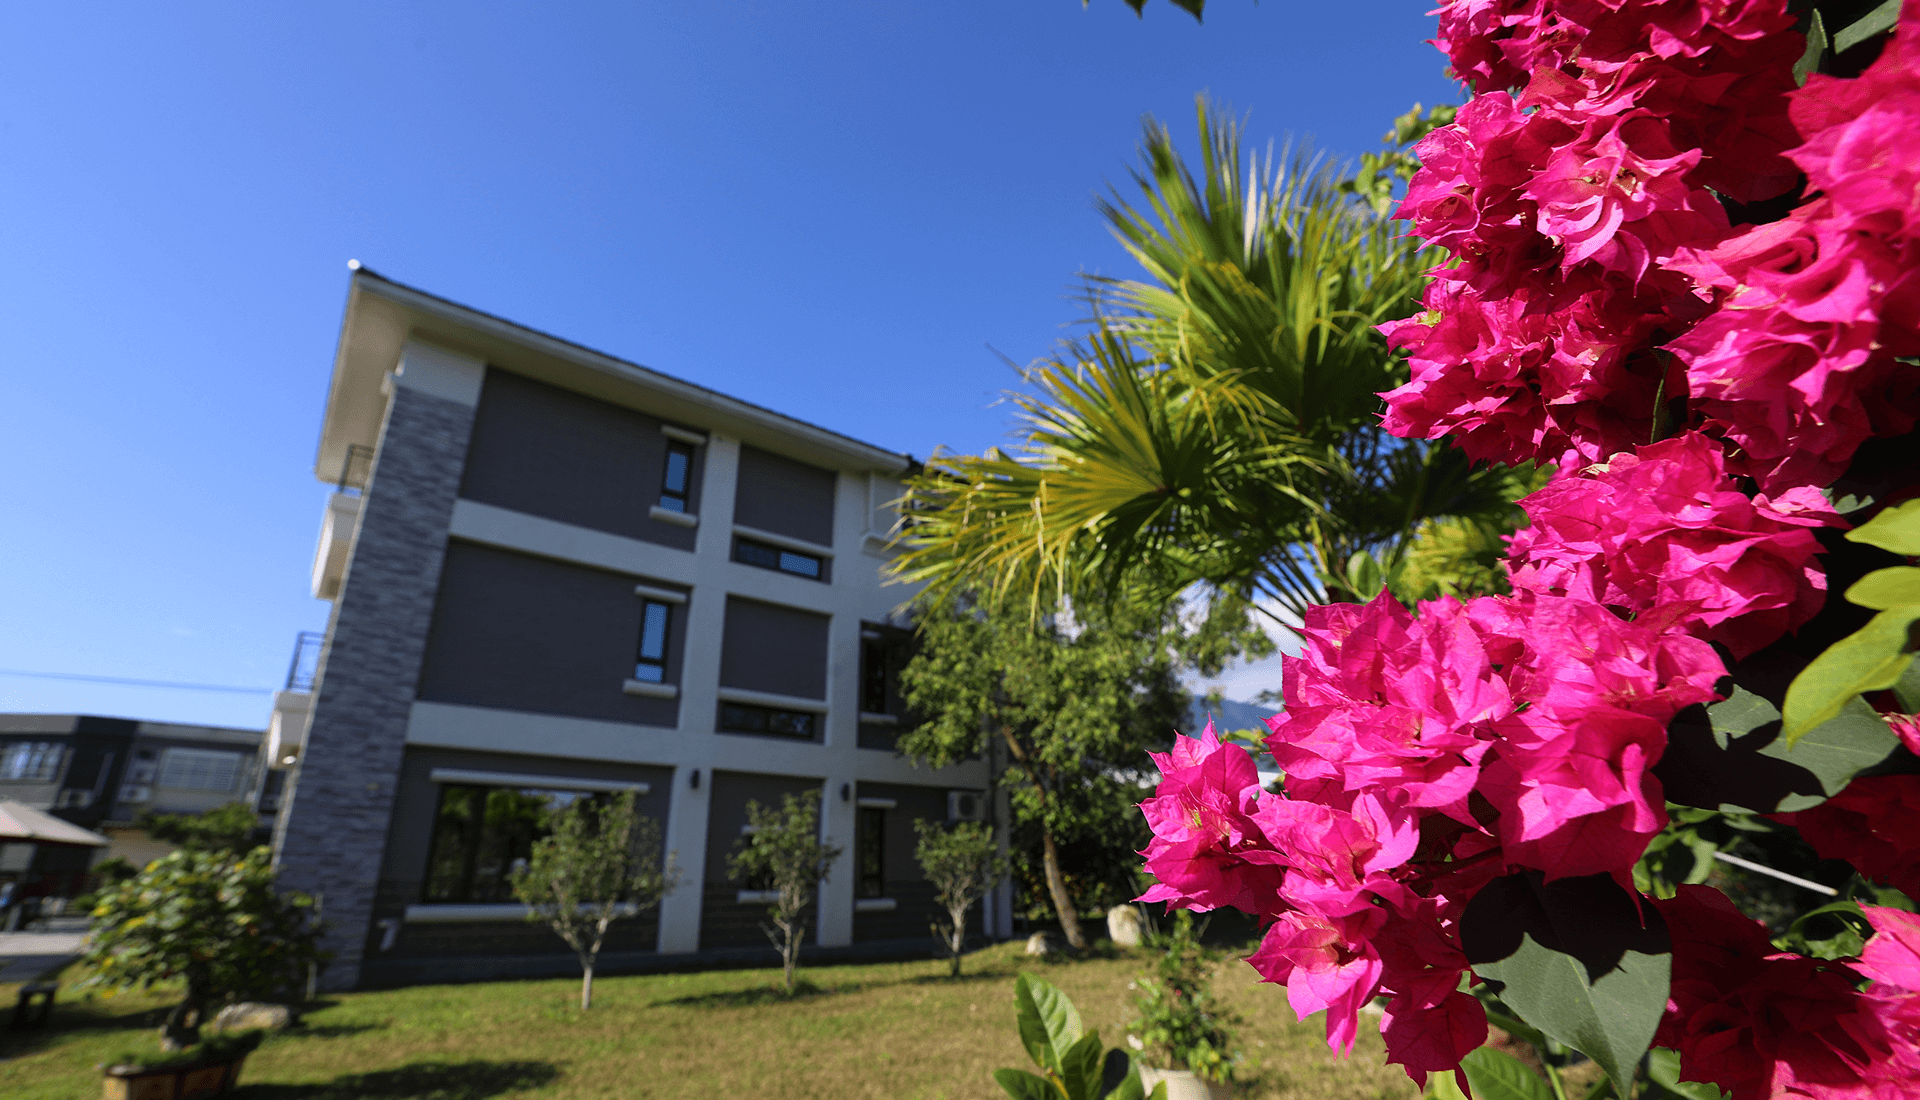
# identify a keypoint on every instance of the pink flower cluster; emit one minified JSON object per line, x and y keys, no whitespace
{"x":1663,"y":535}
{"x":1424,"y":757}
{"x":1596,"y":278}
{"x":1761,"y":1024}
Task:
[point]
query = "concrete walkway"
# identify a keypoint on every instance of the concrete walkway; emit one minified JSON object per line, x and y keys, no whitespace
{"x":25,"y":956}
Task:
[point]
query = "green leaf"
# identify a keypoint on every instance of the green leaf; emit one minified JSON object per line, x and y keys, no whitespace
{"x":1021,"y":1085}
{"x":1897,"y":528}
{"x":1497,"y":1075}
{"x":1907,"y":689}
{"x":1443,"y":1086}
{"x":1871,"y":658}
{"x":1816,"y":49}
{"x":1080,"y":1068}
{"x":1877,"y":21}
{"x":1886,"y":589}
{"x":1663,"y":1072}
{"x":1835,"y":751}
{"x":1611,"y":1020}
{"x":1049,"y":1024}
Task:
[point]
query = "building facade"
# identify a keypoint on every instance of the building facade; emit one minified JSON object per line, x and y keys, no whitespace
{"x":103,"y":773}
{"x":554,"y":575}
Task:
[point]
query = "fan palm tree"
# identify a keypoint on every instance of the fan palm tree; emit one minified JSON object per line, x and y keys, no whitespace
{"x":1218,"y":424}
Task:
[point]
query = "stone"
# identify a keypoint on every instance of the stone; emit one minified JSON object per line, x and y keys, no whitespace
{"x":1125,"y":926}
{"x":249,"y":1015}
{"x":1044,"y":943}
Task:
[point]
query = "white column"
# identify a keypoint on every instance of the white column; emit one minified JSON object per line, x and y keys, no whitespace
{"x":687,"y":840}
{"x":836,"y":894}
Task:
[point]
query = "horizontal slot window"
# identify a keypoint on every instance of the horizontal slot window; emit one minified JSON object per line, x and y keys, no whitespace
{"x":748,"y":552}
{"x":481,"y":834}
{"x":741,"y":718}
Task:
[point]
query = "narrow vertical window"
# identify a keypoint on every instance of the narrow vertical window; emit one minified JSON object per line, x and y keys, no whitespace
{"x":873,"y":848}
{"x":873,"y":678}
{"x":650,"y":664}
{"x":679,"y":473}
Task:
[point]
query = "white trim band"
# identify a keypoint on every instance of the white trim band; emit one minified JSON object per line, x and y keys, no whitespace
{"x":682,"y":435}
{"x":460,"y":913}
{"x":869,"y":718}
{"x":664,"y":595}
{"x":518,"y":779}
{"x":783,"y":542}
{"x":668,"y":515}
{"x":651,"y":691}
{"x":877,"y":803}
{"x":875,"y":905}
{"x":756,"y":897}
{"x":769,"y":699}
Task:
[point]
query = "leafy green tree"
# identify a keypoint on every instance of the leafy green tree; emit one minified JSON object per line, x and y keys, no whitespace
{"x":1218,"y":425}
{"x":598,"y":862}
{"x":229,"y":829}
{"x":963,"y":863}
{"x":210,"y":920}
{"x":1076,"y":704}
{"x":783,"y":853}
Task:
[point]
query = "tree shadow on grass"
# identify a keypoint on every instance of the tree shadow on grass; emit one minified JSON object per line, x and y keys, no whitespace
{"x":803,"y":990}
{"x":965,"y":977}
{"x":473,"y":1080}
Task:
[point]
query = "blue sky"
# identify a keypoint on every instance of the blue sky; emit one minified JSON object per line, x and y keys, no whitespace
{"x":839,"y":210}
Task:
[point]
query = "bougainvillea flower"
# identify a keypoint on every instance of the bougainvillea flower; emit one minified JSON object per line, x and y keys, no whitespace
{"x":1326,"y":964}
{"x":1207,"y":851}
{"x":1874,"y":824}
{"x":1665,"y":532}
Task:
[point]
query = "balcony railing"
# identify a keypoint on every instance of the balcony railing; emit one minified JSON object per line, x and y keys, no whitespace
{"x":306,"y":660}
{"x":355,"y":469}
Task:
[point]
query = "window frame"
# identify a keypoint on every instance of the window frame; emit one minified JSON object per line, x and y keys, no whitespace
{"x":475,"y":840}
{"x":183,"y":759}
{"x":767,"y":728}
{"x":870,"y":858}
{"x":656,"y":665}
{"x":677,"y":500}
{"x":49,"y":756}
{"x":777,"y":558}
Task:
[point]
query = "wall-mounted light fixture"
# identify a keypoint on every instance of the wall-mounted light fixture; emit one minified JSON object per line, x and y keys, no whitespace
{"x":846,"y":792}
{"x":694,"y":779}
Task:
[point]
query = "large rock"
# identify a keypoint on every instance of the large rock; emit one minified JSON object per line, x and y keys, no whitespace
{"x":1044,"y":943}
{"x":248,"y":1015}
{"x":1125,"y":926}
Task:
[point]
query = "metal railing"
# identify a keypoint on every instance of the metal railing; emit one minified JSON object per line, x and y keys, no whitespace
{"x":355,"y":469}
{"x":306,"y":660}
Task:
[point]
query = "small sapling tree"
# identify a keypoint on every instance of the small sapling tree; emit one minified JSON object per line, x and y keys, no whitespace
{"x":783,"y":854}
{"x":211,"y":920}
{"x":598,"y":862}
{"x":962,"y":865}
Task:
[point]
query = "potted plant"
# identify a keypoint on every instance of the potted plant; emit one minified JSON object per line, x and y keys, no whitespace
{"x":1182,"y":1027}
{"x":208,"y":1068}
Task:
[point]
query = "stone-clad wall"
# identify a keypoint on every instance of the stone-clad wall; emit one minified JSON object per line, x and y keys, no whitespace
{"x":332,"y":831}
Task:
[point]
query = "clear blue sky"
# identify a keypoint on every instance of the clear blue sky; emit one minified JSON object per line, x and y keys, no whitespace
{"x":833,"y":209}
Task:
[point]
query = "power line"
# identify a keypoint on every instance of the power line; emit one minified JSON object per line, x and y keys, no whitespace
{"x":136,"y":683}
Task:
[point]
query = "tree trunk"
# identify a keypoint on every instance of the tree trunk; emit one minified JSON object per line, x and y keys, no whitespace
{"x":791,"y":956}
{"x":182,"y":1027}
{"x":958,"y":934}
{"x":586,"y":985}
{"x":1057,"y":886}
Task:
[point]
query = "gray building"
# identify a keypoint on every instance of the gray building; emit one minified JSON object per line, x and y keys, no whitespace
{"x":555,"y":574}
{"x":103,"y":773}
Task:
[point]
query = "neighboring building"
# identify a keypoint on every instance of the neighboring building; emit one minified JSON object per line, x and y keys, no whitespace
{"x":556,"y":574}
{"x":103,"y":773}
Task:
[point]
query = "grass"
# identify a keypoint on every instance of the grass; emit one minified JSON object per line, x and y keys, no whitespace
{"x":892,"y":1031}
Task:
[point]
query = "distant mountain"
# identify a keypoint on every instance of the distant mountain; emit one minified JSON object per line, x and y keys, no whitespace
{"x":1229,"y":715}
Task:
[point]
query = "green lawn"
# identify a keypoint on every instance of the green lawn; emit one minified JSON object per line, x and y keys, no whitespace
{"x":889,"y":1031}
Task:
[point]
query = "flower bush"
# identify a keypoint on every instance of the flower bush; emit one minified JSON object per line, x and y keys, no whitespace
{"x":1690,"y":282}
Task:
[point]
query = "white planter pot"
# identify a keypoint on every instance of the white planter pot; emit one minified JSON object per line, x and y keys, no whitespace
{"x":1183,"y":1085}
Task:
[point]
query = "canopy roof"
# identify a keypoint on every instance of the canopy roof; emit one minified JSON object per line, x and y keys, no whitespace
{"x":19,"y":821}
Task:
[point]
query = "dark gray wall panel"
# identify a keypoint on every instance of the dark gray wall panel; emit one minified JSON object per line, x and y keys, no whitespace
{"x":768,"y":647}
{"x":403,"y":871}
{"x":784,"y":496}
{"x":530,"y":634}
{"x":905,"y":883}
{"x":724,"y":922}
{"x":550,"y":452}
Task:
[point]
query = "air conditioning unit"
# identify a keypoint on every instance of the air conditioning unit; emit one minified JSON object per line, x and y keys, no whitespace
{"x":74,"y":798}
{"x":136,"y":792}
{"x":142,"y":773}
{"x":966,"y":806}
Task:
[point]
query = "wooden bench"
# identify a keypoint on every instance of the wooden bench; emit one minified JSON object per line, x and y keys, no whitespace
{"x":28,"y":1014}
